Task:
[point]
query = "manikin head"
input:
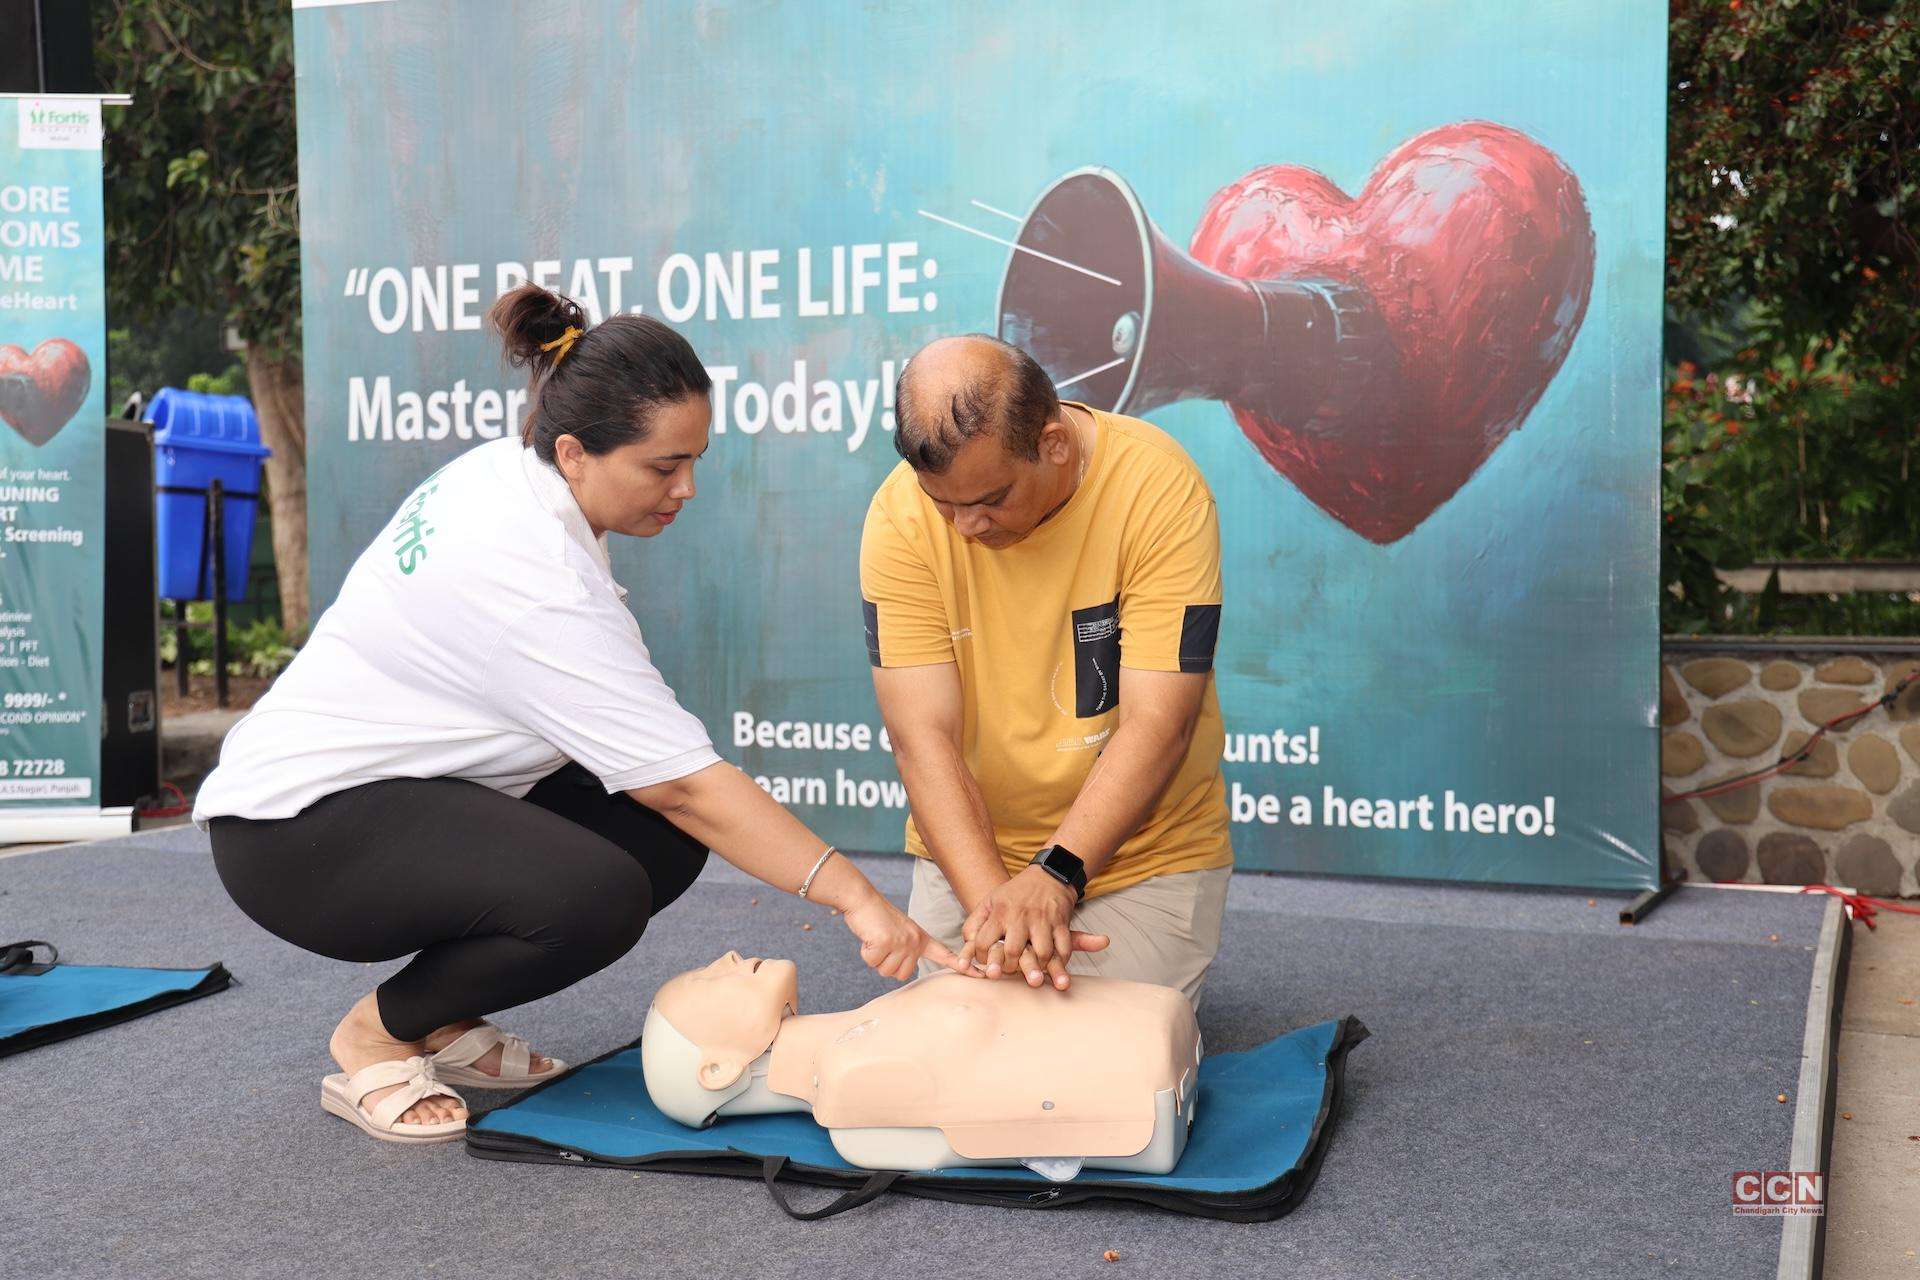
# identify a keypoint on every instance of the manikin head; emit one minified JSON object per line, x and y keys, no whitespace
{"x":707,"y":1026}
{"x":979,"y":422}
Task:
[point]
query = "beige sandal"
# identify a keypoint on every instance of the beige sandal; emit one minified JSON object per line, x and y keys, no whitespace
{"x":341,"y":1093}
{"x":454,"y":1064}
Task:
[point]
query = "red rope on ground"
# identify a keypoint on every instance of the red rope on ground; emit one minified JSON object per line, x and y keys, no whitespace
{"x":1859,"y":906}
{"x":170,"y":811}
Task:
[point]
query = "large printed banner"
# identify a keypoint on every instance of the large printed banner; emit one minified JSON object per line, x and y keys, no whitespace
{"x":53,"y":347}
{"x":1391,"y":273}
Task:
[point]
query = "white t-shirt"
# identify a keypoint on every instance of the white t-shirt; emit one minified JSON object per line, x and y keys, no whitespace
{"x":480,"y":636}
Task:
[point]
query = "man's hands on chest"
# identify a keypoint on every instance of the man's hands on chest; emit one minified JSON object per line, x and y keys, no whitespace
{"x":1021,"y":924}
{"x":1026,"y":917}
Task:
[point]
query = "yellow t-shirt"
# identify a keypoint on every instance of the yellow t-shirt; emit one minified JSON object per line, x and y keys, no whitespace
{"x":1127,"y":573}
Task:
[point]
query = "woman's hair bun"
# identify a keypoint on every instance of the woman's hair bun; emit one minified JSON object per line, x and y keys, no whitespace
{"x":613,"y":379}
{"x":529,"y":316}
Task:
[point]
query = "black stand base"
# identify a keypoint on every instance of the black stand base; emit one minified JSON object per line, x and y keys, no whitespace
{"x":1636,"y":911}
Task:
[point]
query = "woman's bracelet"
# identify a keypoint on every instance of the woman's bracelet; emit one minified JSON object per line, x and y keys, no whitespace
{"x":808,"y":882}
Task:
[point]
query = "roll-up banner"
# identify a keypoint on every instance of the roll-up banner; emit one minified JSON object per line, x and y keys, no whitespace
{"x":53,"y":347}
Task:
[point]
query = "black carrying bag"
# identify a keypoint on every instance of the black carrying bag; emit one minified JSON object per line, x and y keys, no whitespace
{"x":1264,"y":1203}
{"x":17,"y":962}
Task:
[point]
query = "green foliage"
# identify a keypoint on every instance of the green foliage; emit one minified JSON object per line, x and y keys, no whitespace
{"x":233,"y":382}
{"x":1790,"y":130}
{"x":259,"y":648}
{"x":169,"y":352}
{"x":202,"y":199}
{"x":1793,"y":274}
{"x":1800,"y":460}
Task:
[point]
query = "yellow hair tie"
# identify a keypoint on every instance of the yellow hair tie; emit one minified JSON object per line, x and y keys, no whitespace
{"x":564,"y":342}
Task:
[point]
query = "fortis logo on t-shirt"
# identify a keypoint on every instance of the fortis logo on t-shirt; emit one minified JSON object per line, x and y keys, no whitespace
{"x":411,"y":530}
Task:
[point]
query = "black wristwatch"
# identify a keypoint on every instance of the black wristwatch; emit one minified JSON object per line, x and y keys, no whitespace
{"x":1063,"y":865}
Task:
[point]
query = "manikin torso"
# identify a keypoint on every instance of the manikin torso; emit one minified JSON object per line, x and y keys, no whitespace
{"x":944,"y":1071}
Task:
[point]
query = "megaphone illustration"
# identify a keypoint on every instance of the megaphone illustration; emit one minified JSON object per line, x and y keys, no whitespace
{"x":14,"y":390}
{"x":1374,"y":349}
{"x":1123,"y":320}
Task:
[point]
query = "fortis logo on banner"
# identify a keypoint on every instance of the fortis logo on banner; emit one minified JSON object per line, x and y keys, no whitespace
{"x":59,"y":124}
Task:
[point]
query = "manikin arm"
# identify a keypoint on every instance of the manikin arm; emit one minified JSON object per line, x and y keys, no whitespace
{"x":725,"y":810}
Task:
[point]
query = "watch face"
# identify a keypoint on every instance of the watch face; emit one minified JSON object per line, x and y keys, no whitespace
{"x":1064,"y":866}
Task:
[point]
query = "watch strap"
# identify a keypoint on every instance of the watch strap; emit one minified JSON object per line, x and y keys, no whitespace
{"x":1072,"y":874}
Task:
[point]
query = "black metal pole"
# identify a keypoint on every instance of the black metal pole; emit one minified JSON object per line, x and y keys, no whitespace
{"x":217,"y":514}
{"x":40,"y":58}
{"x":182,"y":654}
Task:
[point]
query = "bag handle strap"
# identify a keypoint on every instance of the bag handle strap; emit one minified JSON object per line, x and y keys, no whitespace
{"x":852,"y":1198}
{"x":19,"y":955}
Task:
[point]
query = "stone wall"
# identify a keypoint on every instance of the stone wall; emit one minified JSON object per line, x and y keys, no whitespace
{"x":1849,"y":814}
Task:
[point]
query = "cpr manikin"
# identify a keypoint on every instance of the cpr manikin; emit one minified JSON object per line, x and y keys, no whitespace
{"x":945,"y":1071}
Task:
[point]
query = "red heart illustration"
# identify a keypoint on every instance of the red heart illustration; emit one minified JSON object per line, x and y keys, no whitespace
{"x":40,"y":393}
{"x":1474,"y":243}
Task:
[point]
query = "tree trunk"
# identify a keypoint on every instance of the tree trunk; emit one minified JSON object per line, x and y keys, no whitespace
{"x":279,"y":397}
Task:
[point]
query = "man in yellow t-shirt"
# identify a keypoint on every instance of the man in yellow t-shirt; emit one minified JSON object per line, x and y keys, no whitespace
{"x":1041,"y":583}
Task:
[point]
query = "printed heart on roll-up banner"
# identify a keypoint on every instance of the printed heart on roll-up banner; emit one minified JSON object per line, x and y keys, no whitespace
{"x":40,"y":393}
{"x":1474,"y":244}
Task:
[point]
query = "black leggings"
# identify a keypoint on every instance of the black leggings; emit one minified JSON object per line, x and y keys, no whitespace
{"x":504,"y":900}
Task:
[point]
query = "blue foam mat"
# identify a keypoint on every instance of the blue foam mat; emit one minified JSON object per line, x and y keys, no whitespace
{"x":1256,"y":1115}
{"x":69,"y":999}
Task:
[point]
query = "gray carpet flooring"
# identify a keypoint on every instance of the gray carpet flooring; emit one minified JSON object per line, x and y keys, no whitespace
{"x":1546,"y":1093}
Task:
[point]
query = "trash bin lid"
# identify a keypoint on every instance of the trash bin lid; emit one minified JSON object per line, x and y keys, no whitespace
{"x":196,"y":419}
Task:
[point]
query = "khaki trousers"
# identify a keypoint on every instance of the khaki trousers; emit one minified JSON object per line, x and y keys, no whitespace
{"x":1164,"y":930}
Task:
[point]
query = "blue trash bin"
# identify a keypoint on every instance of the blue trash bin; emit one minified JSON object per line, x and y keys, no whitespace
{"x":197,"y":439}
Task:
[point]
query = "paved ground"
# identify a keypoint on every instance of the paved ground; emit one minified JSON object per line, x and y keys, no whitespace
{"x":1873,"y":1193}
{"x":1538,"y":1076}
{"x":190,"y":745}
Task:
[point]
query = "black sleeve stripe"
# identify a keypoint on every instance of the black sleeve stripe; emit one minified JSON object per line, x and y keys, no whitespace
{"x":870,"y":614}
{"x":1199,"y":634}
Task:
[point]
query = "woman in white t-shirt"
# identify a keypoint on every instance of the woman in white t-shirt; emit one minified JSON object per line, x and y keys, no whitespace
{"x":473,"y":758}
